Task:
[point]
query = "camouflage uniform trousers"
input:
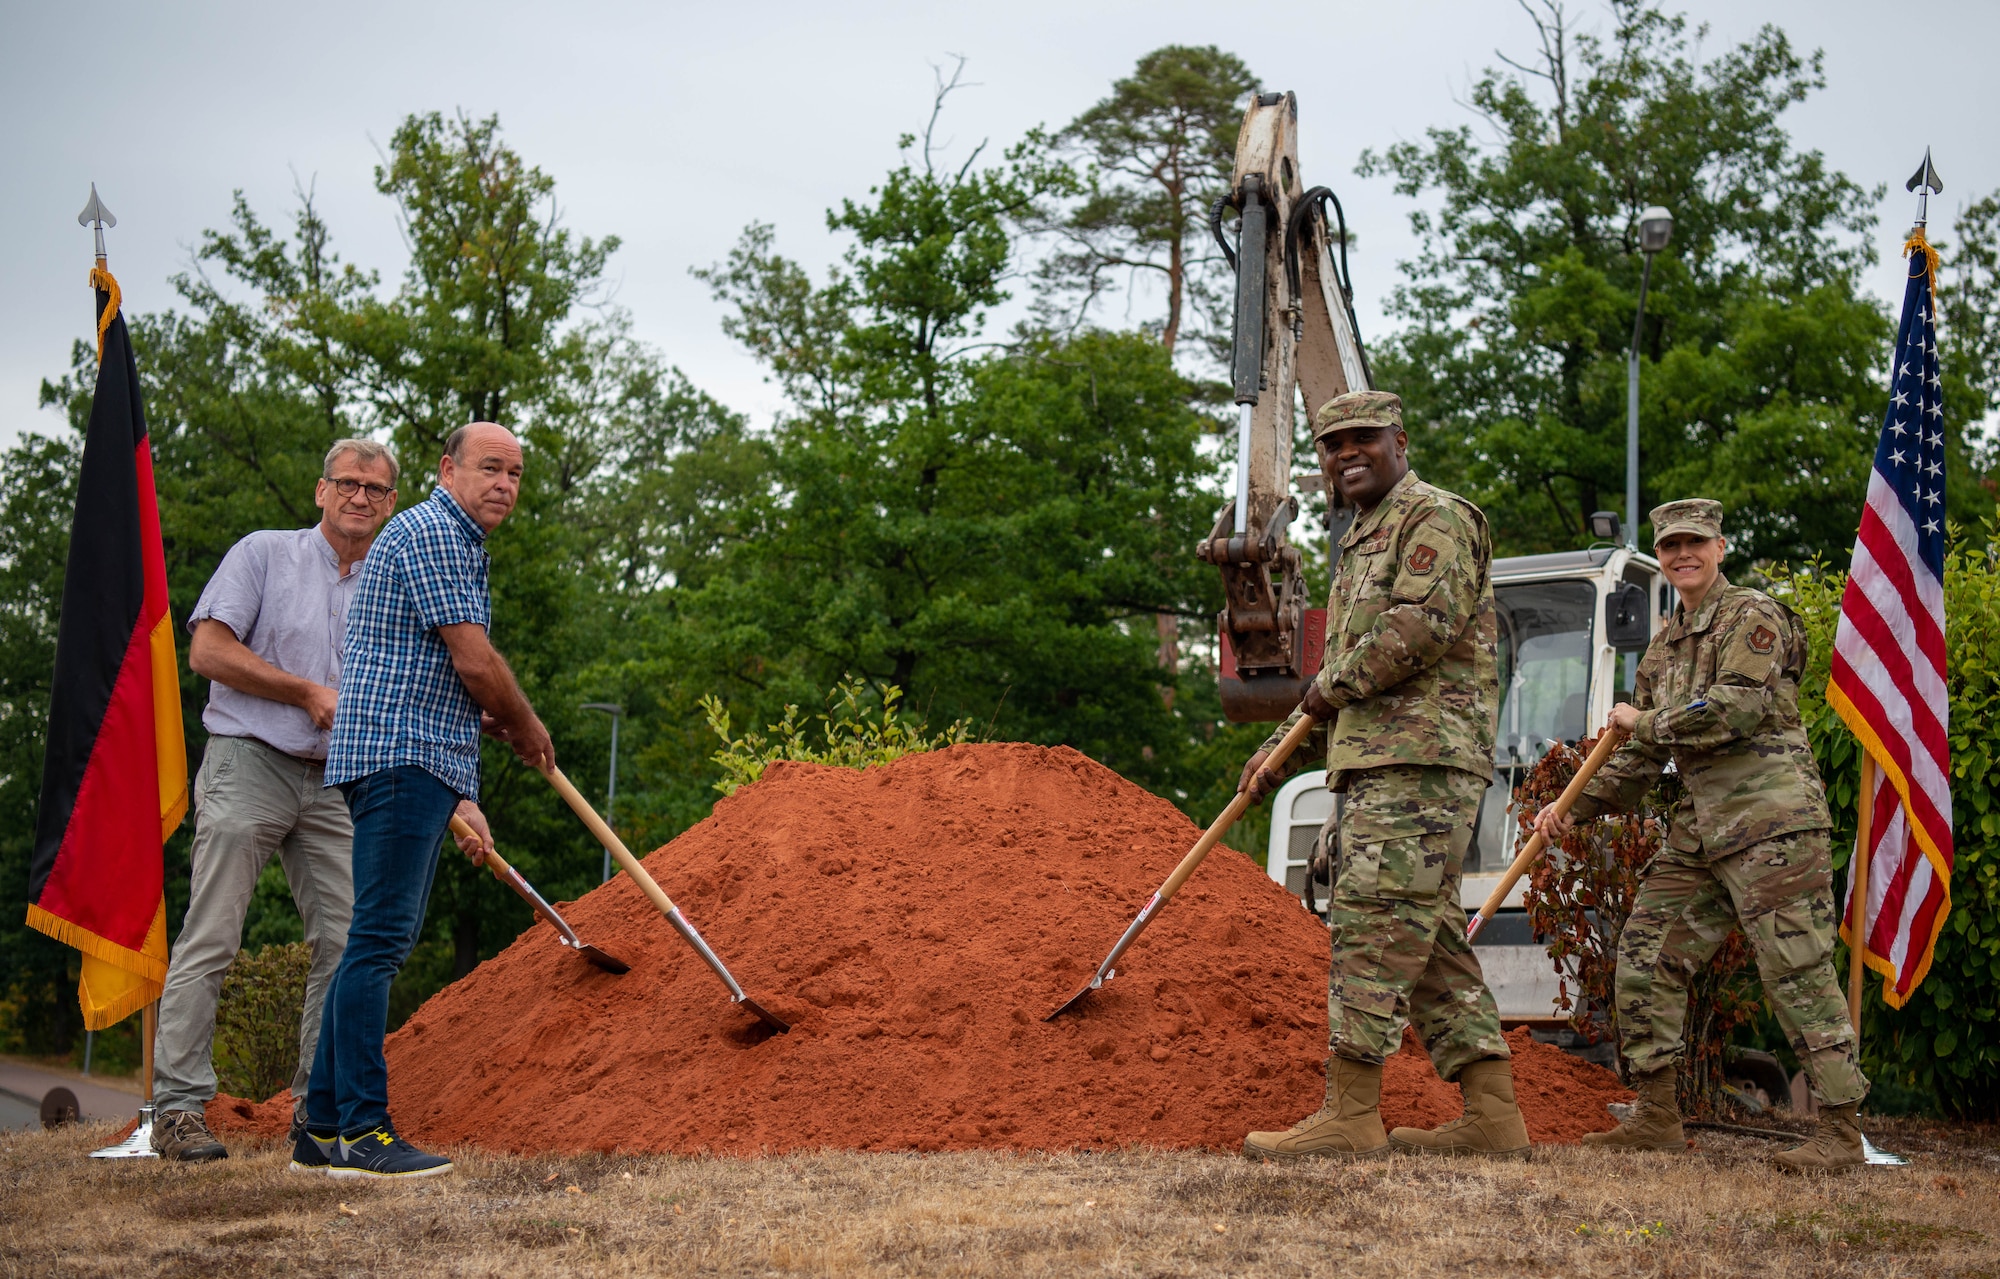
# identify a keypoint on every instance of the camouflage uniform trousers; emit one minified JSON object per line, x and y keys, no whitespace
{"x":1399,"y":948}
{"x":1781,"y":891}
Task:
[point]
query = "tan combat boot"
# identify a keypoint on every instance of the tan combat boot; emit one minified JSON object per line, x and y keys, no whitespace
{"x":1835,"y":1145}
{"x":1655,"y":1121}
{"x":1491,"y":1125}
{"x":1348,"y":1127}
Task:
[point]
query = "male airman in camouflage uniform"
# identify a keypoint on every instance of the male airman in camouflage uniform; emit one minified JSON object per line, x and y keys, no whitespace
{"x":1406,"y":700}
{"x":1717,"y":694}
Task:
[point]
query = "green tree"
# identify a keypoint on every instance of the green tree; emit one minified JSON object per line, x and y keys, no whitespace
{"x":1969,"y":357}
{"x":988,"y":527}
{"x":1762,"y":377}
{"x":635,"y":479}
{"x":1159,"y":150}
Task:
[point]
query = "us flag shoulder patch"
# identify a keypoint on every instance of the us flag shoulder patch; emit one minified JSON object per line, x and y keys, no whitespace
{"x":1421,"y":560}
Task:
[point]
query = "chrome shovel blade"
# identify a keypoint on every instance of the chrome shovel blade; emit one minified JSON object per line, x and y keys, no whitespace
{"x":1876,"y":1155}
{"x":137,"y":1146}
{"x":765,"y":1015}
{"x":1067,"y":1004}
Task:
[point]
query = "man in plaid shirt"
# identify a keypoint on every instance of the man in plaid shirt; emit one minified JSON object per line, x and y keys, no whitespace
{"x":420,"y":680}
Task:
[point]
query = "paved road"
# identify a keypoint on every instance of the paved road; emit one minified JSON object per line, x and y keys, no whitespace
{"x":17,"y":1113}
{"x":23,"y":1087}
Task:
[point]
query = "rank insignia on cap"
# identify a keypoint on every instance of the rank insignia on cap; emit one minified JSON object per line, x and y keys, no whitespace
{"x":1421,"y":560}
{"x":1762,"y":639}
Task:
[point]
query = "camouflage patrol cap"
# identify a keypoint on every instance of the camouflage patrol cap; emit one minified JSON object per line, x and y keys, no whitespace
{"x":1695,"y":516}
{"x":1359,"y":408}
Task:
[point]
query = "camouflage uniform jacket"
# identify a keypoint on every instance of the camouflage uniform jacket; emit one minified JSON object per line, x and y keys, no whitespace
{"x":1411,"y":638}
{"x":1718,"y":694}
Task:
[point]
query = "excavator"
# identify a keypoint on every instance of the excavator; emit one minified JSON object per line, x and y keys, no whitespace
{"x":1295,"y":332}
{"x":1572,"y":623}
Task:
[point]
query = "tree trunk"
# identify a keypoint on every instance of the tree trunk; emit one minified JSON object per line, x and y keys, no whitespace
{"x":465,"y":937}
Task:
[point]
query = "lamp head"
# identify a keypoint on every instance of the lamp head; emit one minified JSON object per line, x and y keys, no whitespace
{"x":1656,"y":227}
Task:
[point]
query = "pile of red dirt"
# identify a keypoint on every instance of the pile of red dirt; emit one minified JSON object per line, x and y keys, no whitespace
{"x":239,"y":1116}
{"x":915,"y":922}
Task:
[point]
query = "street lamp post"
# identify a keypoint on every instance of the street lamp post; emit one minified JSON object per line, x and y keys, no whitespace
{"x":611,"y":784}
{"x":1656,"y":227}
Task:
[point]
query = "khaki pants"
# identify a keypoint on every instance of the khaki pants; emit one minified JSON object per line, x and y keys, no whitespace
{"x":251,"y":801}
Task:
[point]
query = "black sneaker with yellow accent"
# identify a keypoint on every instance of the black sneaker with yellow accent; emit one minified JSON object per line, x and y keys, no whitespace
{"x":379,"y":1152}
{"x":311,"y":1153}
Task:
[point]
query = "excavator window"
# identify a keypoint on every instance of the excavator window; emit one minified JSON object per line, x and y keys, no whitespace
{"x":1545,"y":651}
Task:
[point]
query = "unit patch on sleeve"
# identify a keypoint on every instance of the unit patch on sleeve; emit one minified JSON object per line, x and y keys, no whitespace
{"x":1421,"y":560}
{"x":1762,"y":640}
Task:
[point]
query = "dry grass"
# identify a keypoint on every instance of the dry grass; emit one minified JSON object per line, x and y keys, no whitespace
{"x":1715,"y":1211}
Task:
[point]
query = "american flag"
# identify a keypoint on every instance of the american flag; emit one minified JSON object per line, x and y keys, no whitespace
{"x":1888,"y":680}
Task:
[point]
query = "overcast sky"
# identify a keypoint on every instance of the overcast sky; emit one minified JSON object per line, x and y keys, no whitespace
{"x":673,"y":125}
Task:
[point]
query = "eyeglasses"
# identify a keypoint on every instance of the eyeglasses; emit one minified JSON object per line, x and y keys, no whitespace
{"x":348,"y":488}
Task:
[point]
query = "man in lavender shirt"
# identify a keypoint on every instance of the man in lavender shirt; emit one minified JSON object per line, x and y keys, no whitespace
{"x":268,"y":633}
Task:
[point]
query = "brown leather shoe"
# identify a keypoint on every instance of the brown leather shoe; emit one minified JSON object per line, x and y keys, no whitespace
{"x":1655,"y":1121}
{"x":184,"y":1135}
{"x":1835,"y":1145}
{"x":1491,"y":1125}
{"x":1348,"y":1127}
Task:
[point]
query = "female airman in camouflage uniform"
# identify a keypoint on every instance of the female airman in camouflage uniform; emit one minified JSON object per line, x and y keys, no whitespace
{"x":1747,"y":845}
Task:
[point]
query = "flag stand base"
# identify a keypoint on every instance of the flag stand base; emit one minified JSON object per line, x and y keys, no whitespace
{"x":1879,"y":1157}
{"x":137,"y":1146}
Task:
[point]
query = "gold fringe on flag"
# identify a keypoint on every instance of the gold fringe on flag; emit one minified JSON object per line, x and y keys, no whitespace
{"x":1918,"y":242}
{"x":100,"y":278}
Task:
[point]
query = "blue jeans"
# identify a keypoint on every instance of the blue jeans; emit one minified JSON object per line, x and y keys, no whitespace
{"x":400,"y":816}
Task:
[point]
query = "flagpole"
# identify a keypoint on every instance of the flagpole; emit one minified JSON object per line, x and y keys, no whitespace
{"x":1857,"y":897}
{"x":149,"y":1029}
{"x":139,"y":1143}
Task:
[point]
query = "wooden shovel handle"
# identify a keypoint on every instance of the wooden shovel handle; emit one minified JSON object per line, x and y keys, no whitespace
{"x":1237,"y":807}
{"x":609,"y":838}
{"x":1532,"y":850}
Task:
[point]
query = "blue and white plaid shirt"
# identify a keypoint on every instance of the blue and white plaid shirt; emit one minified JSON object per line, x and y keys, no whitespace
{"x":401,"y":700}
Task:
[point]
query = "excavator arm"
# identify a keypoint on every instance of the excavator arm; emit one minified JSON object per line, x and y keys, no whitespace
{"x":1295,"y":333}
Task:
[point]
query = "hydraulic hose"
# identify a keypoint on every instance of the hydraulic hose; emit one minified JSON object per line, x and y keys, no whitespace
{"x":1310,"y":205}
{"x":1215,"y":229}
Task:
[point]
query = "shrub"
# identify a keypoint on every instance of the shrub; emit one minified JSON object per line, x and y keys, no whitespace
{"x":1945,"y":1042}
{"x":859,"y":728}
{"x":257,"y":1020}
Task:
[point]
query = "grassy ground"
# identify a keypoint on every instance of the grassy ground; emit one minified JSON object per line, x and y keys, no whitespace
{"x":1716,"y":1210}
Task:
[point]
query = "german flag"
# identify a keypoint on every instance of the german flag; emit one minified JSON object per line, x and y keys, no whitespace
{"x":114,"y":778}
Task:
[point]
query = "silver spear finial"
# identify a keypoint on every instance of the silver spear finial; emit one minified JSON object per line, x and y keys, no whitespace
{"x":1926,"y":183}
{"x":96,"y":215}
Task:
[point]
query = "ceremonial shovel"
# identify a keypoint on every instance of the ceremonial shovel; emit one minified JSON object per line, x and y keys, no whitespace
{"x":1209,"y":838}
{"x":620,"y":854}
{"x":1606,"y":743}
{"x":513,"y":879}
